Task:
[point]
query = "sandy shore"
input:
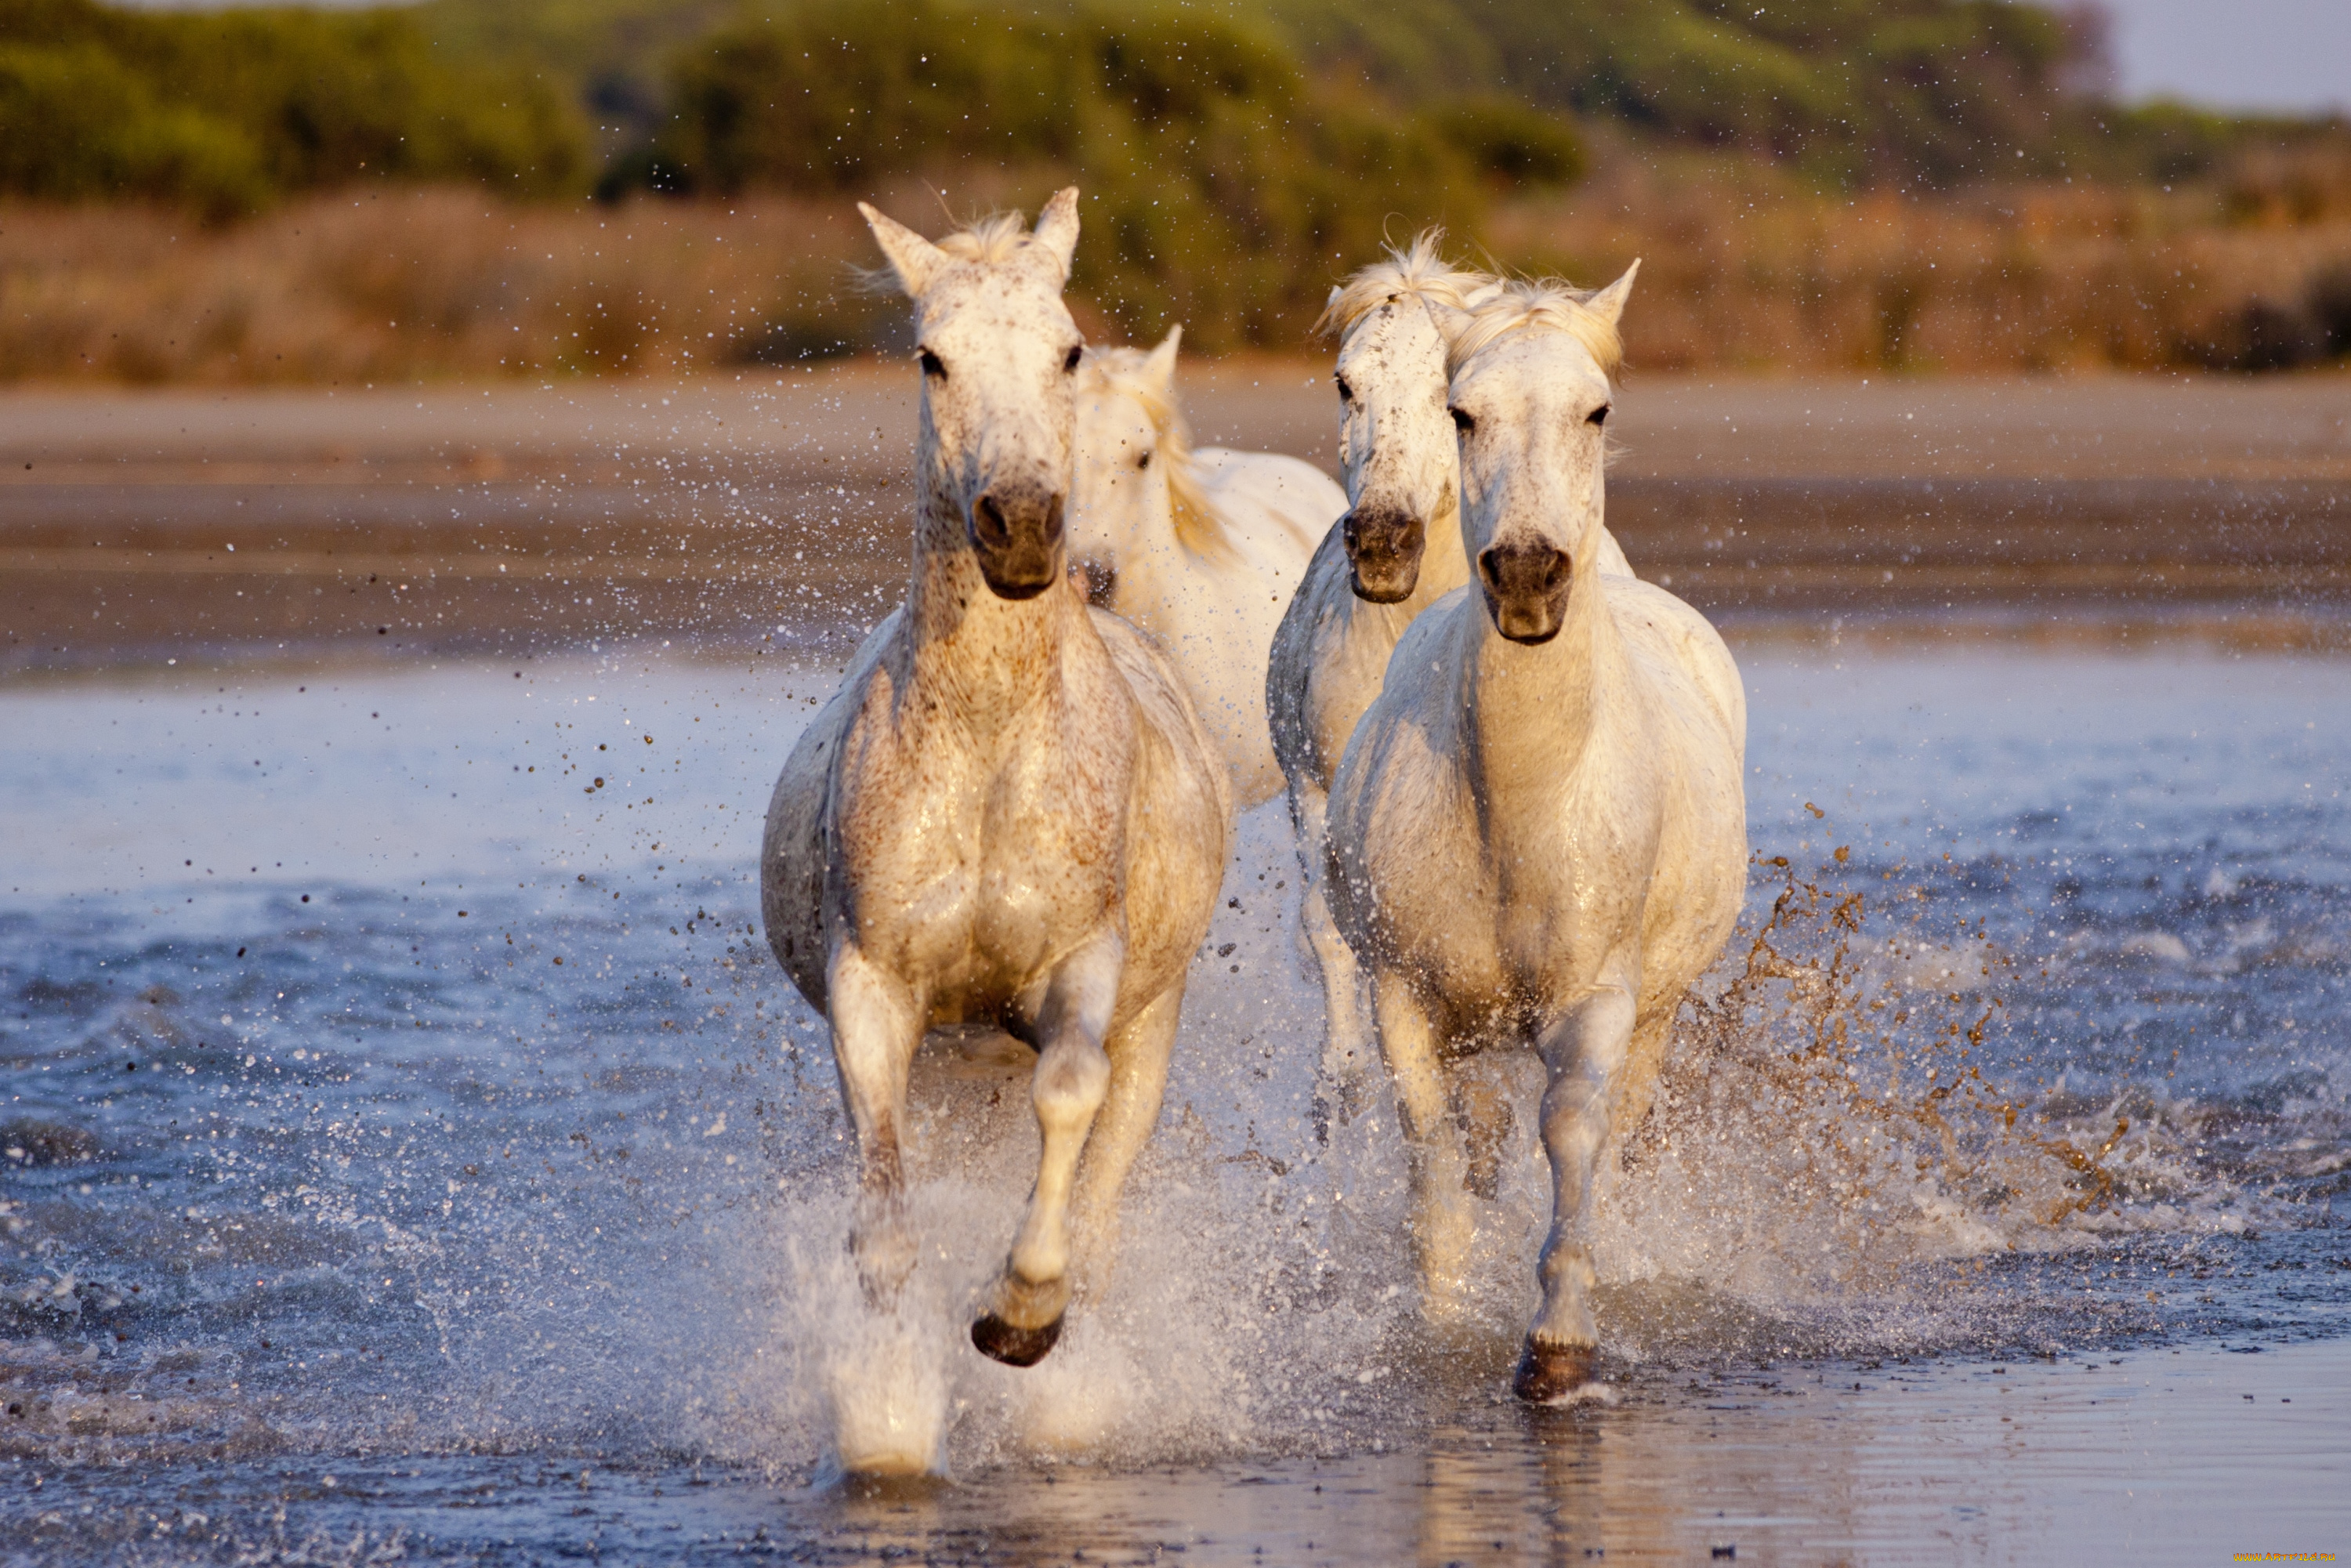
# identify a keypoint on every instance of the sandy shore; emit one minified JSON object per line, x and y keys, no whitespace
{"x":130,"y":521}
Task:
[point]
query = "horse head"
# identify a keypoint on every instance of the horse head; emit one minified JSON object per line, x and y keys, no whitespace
{"x":1133,"y":452}
{"x":1531,"y":370}
{"x":1395,"y":443}
{"x":999,"y":355}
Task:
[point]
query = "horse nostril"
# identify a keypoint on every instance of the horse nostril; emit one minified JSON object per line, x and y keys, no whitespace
{"x":987,"y":520}
{"x":1557,"y":572}
{"x":1053,"y":520}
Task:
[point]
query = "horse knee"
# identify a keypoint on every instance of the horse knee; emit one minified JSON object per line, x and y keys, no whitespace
{"x":1574,"y":1112}
{"x":1072,"y":1080}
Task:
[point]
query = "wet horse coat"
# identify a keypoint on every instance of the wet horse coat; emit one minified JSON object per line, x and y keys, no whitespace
{"x":1202,"y":548}
{"x":1396,"y":551}
{"x":1009,"y":812}
{"x":1538,"y":832}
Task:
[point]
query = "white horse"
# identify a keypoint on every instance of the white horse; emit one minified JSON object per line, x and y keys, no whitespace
{"x":1538,"y":832}
{"x":1008,"y":813}
{"x":1395,"y":553}
{"x":1203,"y":550}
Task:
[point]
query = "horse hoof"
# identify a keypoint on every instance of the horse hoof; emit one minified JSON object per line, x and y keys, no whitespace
{"x":999,"y":1341}
{"x":1553,"y":1374}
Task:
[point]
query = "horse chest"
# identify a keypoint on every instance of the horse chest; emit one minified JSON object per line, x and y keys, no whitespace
{"x":1508,"y":898}
{"x":978,"y":878}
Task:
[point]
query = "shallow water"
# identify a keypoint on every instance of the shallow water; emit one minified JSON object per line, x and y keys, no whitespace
{"x":391,"y":1100}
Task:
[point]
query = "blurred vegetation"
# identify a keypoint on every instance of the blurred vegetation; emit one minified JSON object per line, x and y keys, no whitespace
{"x":1235,"y":159}
{"x":1853,"y":93}
{"x":1224,"y":186}
{"x":225,"y":111}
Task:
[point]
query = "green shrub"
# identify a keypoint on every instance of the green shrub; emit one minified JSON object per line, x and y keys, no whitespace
{"x":1904,"y":92}
{"x":75,"y":124}
{"x":1224,"y":188}
{"x":1507,"y":141}
{"x":222,"y":110}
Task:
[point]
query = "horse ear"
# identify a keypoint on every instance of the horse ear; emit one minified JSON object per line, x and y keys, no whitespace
{"x":1451,"y":321}
{"x":1161,"y":363}
{"x":914,"y":259}
{"x":1057,"y":229}
{"x":1609,"y":302}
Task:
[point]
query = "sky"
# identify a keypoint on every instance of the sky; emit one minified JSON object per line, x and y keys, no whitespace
{"x":2235,"y":54}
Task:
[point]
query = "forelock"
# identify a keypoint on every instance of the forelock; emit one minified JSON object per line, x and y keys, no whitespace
{"x":998,"y":238}
{"x":1418,"y":271}
{"x":1529,"y":305}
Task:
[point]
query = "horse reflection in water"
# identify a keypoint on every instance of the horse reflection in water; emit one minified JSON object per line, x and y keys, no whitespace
{"x":1008,"y":813}
{"x":1538,"y":832}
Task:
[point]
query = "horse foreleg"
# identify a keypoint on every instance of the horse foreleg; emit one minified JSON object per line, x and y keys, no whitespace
{"x":1442,"y":1226}
{"x":876,"y":1026}
{"x":1584,"y":1053}
{"x":1071,"y":1079}
{"x":1139,"y":1054}
{"x":1346,"y":1032}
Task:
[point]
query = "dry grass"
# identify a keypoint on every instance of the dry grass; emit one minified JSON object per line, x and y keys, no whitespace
{"x":1740,"y":270}
{"x":407,"y":285}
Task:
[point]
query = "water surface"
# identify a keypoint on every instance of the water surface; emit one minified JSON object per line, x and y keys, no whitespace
{"x":411,"y":1148}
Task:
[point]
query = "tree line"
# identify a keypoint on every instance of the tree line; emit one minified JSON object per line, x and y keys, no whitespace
{"x":1234,"y":156}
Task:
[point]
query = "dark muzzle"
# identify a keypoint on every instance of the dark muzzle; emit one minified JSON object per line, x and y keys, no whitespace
{"x":1526,"y":585}
{"x":1016,"y":531}
{"x":1383,"y":546}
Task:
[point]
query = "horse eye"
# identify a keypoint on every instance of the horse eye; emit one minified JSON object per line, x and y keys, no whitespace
{"x":1070,"y":363}
{"x":1462,"y":422}
{"x":932,"y":364}
{"x":1143,"y":461}
{"x":1599,"y":415}
{"x":1346,"y":392}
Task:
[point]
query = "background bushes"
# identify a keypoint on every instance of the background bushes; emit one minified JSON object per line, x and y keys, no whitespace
{"x":1912,"y":184}
{"x":225,"y":111}
{"x":75,"y":122}
{"x":1223,"y":183}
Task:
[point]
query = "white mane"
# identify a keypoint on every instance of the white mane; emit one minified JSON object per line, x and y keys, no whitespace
{"x":1529,"y":305}
{"x":997,"y":237}
{"x":1418,"y":272}
{"x":1198,"y":525}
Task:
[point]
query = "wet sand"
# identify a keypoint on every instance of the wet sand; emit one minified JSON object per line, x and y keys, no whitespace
{"x":522,"y":515}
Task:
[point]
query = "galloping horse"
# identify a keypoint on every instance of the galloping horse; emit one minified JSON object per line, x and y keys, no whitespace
{"x":1538,"y":832}
{"x":1009,"y":812}
{"x":1202,"y":548}
{"x":1395,"y":553}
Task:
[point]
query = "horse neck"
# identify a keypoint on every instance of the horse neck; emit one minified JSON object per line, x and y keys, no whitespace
{"x":979,"y":659}
{"x":1444,"y":561}
{"x":1444,"y":567}
{"x":1188,"y":523}
{"x":1534,"y":708}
